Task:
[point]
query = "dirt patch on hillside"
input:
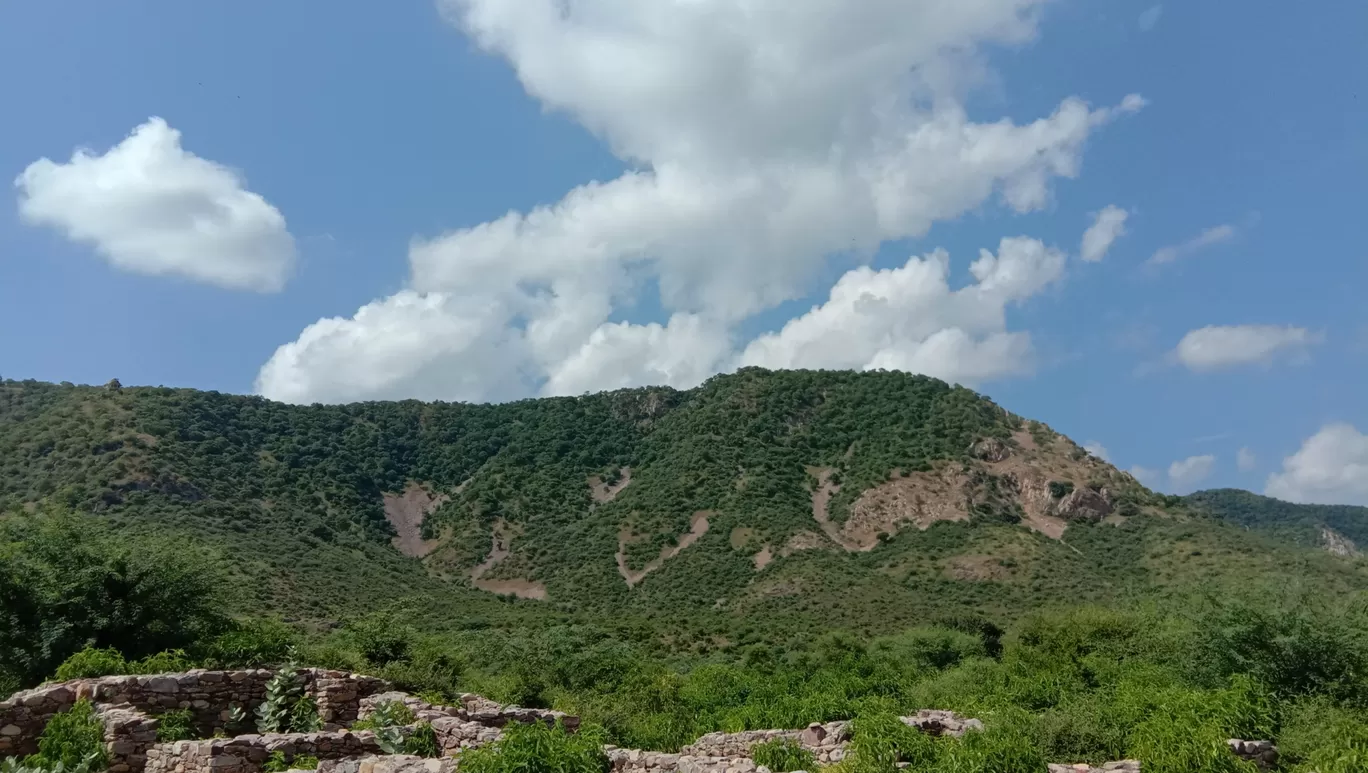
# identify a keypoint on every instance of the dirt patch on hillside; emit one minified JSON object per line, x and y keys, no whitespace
{"x":763,"y":558}
{"x":919,"y":498}
{"x":1055,"y":485}
{"x":604,"y":493}
{"x":698,"y":526}
{"x":406,"y":512}
{"x":498,"y":551}
{"x":821,"y":502}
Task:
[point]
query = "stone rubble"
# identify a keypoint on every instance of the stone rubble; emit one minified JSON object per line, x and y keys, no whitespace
{"x":128,"y":706}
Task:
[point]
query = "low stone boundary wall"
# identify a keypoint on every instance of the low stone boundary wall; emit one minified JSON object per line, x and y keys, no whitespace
{"x":473,"y":708}
{"x":247,"y":753}
{"x":129,"y":734}
{"x":637,"y":761}
{"x":207,"y":694}
{"x":818,"y":738}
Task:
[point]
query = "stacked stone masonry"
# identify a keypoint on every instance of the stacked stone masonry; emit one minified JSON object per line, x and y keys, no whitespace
{"x":129,"y":707}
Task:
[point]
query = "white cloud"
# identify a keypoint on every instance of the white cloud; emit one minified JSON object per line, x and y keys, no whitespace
{"x":1108,"y":226}
{"x":908,"y":318}
{"x":1225,"y":346}
{"x":1097,"y":449}
{"x":151,"y":207}
{"x":1214,"y":235}
{"x":767,"y":137}
{"x":1330,"y":468}
{"x":1245,"y":460}
{"x":1150,"y":17}
{"x":1191,"y":471}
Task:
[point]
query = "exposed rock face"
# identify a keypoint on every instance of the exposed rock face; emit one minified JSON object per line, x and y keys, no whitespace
{"x":1338,"y":544}
{"x":990,"y":450}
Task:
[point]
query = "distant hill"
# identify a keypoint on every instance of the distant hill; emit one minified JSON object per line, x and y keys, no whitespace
{"x":1341,"y":529}
{"x":758,"y":504}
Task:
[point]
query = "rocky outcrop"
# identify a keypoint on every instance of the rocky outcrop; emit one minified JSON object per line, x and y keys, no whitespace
{"x":990,"y":450}
{"x":938,"y":723}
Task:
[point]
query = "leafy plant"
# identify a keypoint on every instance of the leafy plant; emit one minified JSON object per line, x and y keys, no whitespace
{"x":536,"y":748}
{"x":91,"y":662}
{"x":783,"y":755}
{"x":73,"y":739}
{"x":276,"y":763}
{"x":422,"y":742}
{"x":175,"y":725}
{"x":386,"y":714}
{"x":286,"y":708}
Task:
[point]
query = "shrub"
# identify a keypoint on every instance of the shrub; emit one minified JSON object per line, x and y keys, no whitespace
{"x":536,"y":748}
{"x":251,"y":644}
{"x":73,"y":739}
{"x":1320,"y":737}
{"x":387,"y":714}
{"x":166,"y":662}
{"x":286,"y":708}
{"x":783,"y":755}
{"x":175,"y":725}
{"x":423,"y":742}
{"x":91,"y":662}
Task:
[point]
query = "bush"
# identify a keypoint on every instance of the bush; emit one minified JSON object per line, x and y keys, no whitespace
{"x":175,"y":725}
{"x":783,"y":755}
{"x":423,"y":742}
{"x":73,"y":739}
{"x":536,"y":748}
{"x":170,"y":661}
{"x":387,"y":714}
{"x":92,"y":662}
{"x":1320,"y":737}
{"x":251,"y":644}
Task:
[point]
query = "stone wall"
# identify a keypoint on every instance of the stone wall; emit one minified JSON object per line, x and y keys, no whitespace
{"x":1123,"y":766}
{"x":208,"y":695}
{"x":394,"y":763}
{"x":637,"y":761}
{"x":129,"y":734}
{"x":825,"y":741}
{"x":1262,"y":753}
{"x":246,"y":753}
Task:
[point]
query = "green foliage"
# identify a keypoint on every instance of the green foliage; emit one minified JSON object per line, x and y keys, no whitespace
{"x":1302,"y":524}
{"x":1321,"y":737}
{"x":305,"y":762}
{"x":422,"y":742}
{"x":386,"y":714}
{"x":783,"y":755}
{"x":175,"y":725}
{"x":286,"y":708}
{"x":1060,"y":489}
{"x":92,"y":662}
{"x":536,"y":748}
{"x":73,"y":740}
{"x":276,"y":763}
{"x":67,"y":584}
{"x":251,"y":644}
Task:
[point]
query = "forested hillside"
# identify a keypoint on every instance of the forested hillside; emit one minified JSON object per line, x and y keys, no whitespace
{"x":808,"y":500}
{"x":767,"y":550}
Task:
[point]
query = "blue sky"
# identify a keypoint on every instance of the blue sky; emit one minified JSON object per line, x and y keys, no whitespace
{"x":343,"y":147}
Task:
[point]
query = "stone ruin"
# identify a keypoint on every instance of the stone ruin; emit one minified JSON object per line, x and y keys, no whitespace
{"x":130,"y":706}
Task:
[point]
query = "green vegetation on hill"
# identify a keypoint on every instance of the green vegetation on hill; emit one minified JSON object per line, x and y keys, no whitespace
{"x":1300,"y":524}
{"x":148,"y":528}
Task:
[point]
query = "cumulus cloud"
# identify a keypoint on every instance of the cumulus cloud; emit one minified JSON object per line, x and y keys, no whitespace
{"x":765,"y":139}
{"x":1150,"y":17}
{"x":1188,"y":472}
{"x":1097,"y":449}
{"x":1245,"y":460}
{"x":909,"y":319}
{"x":1330,"y":468}
{"x":1214,"y":235}
{"x":149,"y":206}
{"x":1217,"y":347}
{"x":1108,"y":226}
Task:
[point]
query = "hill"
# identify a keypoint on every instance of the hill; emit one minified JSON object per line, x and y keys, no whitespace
{"x":759,"y":505}
{"x":1340,"y":529}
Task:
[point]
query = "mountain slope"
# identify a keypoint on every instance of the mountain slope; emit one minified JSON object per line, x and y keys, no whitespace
{"x":1340,"y":529}
{"x":758,"y":502}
